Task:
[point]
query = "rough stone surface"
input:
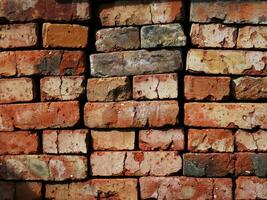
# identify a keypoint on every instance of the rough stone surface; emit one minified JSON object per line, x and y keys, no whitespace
{"x":169,"y":35}
{"x":62,"y":88}
{"x":131,"y":114}
{"x":206,"y":88}
{"x":117,"y":39}
{"x":156,"y":86}
{"x":135,"y":163}
{"x":250,"y":88}
{"x":226,"y":115}
{"x":152,"y":139}
{"x":128,"y":63}
{"x":109,"y":89}
{"x":210,"y":140}
{"x":113,"y":140}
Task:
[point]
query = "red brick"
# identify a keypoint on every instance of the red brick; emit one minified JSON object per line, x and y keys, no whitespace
{"x":18,"y":35}
{"x":16,"y":90}
{"x":251,"y":188}
{"x":65,"y":35}
{"x":135,"y":163}
{"x":185,"y":188}
{"x":39,"y":115}
{"x":152,"y":139}
{"x":206,"y":88}
{"x":131,"y":114}
{"x":65,"y":141}
{"x":44,"y":62}
{"x":42,"y":167}
{"x":19,"y":142}
{"x":226,"y":115}
{"x":210,"y":140}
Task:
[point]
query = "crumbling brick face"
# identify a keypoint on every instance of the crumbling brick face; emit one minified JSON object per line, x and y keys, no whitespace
{"x":129,"y":100}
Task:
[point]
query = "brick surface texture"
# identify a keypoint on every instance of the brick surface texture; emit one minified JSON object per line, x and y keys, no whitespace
{"x":133,"y":99}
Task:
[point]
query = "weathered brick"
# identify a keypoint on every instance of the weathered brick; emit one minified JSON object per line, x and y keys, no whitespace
{"x":168,"y":35}
{"x":65,"y":141}
{"x":62,"y":88}
{"x":16,"y":90}
{"x":18,"y":35}
{"x":156,"y":86}
{"x":39,"y":115}
{"x":172,"y":139}
{"x":128,"y":63}
{"x":227,"y":62}
{"x":214,"y":140}
{"x":121,"y":13}
{"x":109,"y":89}
{"x":213,"y":35}
{"x":25,"y":10}
{"x":251,"y":188}
{"x":113,"y":140}
{"x":136,"y":163}
{"x":65,"y":35}
{"x":125,"y":189}
{"x":251,"y":141}
{"x":226,"y":115}
{"x":26,"y":63}
{"x":250,"y":88}
{"x":42,"y":167}
{"x":117,"y":39}
{"x":206,"y":88}
{"x":208,"y":165}
{"x":19,"y":142}
{"x":131,"y":114}
{"x":185,"y":188}
{"x":252,"y":37}
{"x":229,"y":11}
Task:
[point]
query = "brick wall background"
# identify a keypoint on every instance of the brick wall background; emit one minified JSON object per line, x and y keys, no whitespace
{"x":144,"y":99}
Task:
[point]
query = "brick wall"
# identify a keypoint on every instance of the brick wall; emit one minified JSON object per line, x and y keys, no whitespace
{"x":125,"y":100}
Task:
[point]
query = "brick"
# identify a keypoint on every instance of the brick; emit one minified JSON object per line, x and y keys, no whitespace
{"x":227,"y":62}
{"x":18,"y":142}
{"x":131,"y":114}
{"x":156,"y":86}
{"x":250,"y":88}
{"x":168,"y":35}
{"x":7,"y":190}
{"x":16,"y":90}
{"x":62,"y":88}
{"x":210,"y":140}
{"x":121,"y":13}
{"x":43,"y":167}
{"x":213,"y":35}
{"x":109,"y":89}
{"x":226,"y":115}
{"x":206,"y":88}
{"x":93,"y":189}
{"x":113,"y":140}
{"x":251,"y":188}
{"x":65,"y":141}
{"x":136,"y":163}
{"x":208,"y":165}
{"x":127,"y":63}
{"x":152,"y":139}
{"x":252,"y":37}
{"x":24,"y":10}
{"x":65,"y":35}
{"x":185,"y":188}
{"x":226,"y":11}
{"x":18,"y":35}
{"x":39,"y":115}
{"x":117,"y":39}
{"x":44,"y":62}
{"x":251,"y":141}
